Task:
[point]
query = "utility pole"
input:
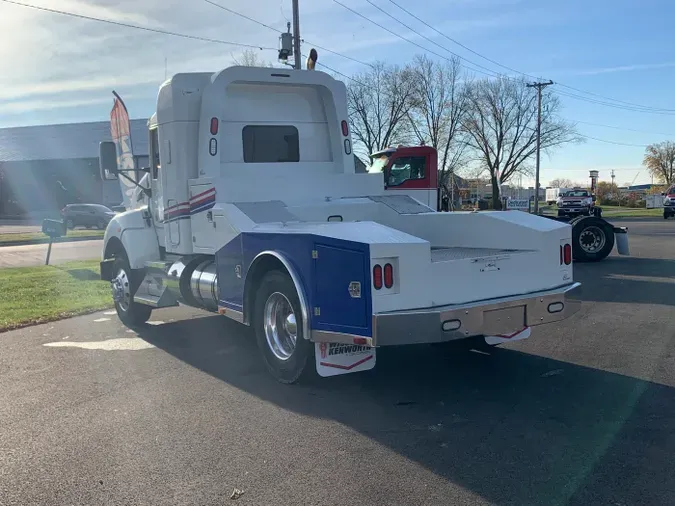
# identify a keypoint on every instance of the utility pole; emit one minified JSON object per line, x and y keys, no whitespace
{"x":296,"y":35}
{"x":540,"y":87}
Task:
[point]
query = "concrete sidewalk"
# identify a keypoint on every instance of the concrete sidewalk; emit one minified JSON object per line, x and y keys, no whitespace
{"x":35,"y":254}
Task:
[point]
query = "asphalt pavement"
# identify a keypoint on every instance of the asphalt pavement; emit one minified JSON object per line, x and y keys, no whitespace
{"x":183,"y":412}
{"x":35,"y":254}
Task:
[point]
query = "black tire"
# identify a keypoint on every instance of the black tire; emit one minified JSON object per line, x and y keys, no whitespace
{"x":70,"y":224}
{"x":299,"y":362}
{"x":131,"y":313}
{"x":101,"y":225}
{"x":592,"y":239}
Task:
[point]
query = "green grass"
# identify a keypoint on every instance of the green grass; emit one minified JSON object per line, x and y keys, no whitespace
{"x":614,"y":211}
{"x":39,"y":237}
{"x":30,"y":295}
{"x":630,"y":212}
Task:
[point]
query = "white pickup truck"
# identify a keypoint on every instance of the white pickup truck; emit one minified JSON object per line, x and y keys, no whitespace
{"x":252,"y":209}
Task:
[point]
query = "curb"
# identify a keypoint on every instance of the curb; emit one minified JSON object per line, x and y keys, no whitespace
{"x":46,"y":241}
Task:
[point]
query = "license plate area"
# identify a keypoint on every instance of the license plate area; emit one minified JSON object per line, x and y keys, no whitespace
{"x":504,"y":321}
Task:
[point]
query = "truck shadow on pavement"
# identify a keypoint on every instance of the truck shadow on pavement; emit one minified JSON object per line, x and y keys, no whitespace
{"x":512,"y":427}
{"x":628,"y":280}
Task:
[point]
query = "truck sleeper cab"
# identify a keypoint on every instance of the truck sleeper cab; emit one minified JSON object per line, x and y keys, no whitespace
{"x":255,"y":212}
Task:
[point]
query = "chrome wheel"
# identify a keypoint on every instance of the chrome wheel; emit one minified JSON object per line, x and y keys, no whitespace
{"x":121,"y":290}
{"x":280,"y":326}
{"x":592,"y":239}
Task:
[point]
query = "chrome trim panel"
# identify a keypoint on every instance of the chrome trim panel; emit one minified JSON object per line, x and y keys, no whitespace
{"x":496,"y":316}
{"x":326,"y":336}
{"x":298,"y":287}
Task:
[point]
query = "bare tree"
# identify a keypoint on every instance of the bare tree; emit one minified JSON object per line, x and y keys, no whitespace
{"x":660,"y":161}
{"x":379,"y":101}
{"x":250,"y":58}
{"x":501,"y":126}
{"x":439,"y":107}
{"x":562,"y":182}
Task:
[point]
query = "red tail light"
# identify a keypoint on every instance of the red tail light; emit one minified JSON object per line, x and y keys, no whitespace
{"x":377,"y":277}
{"x":345,"y":128}
{"x":214,"y":126}
{"x":567,"y":254}
{"x":388,"y":275}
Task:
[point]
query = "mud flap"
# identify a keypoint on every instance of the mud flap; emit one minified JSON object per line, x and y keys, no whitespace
{"x":337,"y":358}
{"x":507,"y":338}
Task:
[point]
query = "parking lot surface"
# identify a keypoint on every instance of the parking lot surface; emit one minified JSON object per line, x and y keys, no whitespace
{"x":183,"y":412}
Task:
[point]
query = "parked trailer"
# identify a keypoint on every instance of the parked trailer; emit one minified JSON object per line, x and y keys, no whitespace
{"x":594,"y":238}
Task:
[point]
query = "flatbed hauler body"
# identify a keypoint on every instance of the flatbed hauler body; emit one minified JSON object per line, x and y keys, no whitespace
{"x":411,"y":170}
{"x":253,"y":210}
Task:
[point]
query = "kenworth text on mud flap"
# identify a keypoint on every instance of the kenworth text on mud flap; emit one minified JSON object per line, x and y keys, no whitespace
{"x":412,"y":171}
{"x":252,"y":209}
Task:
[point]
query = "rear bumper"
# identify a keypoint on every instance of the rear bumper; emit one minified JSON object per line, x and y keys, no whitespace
{"x":494,"y":317}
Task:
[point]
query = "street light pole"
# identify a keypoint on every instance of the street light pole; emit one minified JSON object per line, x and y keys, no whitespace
{"x":540,"y":87}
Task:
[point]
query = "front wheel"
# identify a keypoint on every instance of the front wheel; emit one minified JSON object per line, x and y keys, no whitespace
{"x":278,"y":322}
{"x":70,"y":224}
{"x":124,"y":286}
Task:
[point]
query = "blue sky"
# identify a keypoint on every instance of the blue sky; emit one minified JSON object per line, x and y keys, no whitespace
{"x":58,"y":69}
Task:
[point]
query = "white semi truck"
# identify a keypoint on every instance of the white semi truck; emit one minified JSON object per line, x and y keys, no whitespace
{"x":252,"y":209}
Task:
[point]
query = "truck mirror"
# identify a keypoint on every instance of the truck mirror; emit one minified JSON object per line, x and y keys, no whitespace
{"x":107,"y":160}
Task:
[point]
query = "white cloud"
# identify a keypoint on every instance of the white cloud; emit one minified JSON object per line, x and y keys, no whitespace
{"x":63,"y":62}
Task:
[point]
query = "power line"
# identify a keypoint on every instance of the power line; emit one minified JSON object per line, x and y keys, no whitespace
{"x":615,"y":106}
{"x":428,"y":39}
{"x":459,"y":43}
{"x":244,"y":16}
{"x":645,"y":108}
{"x":491,"y":74}
{"x":138,"y":27}
{"x":614,"y":142}
{"x":623,"y":128}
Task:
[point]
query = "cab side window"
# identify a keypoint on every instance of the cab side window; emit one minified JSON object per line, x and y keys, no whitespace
{"x":154,"y":153}
{"x":405,"y":169}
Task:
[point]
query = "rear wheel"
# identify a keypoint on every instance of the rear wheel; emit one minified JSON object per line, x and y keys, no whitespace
{"x":124,"y":286}
{"x":278,"y":325}
{"x":70,"y":224}
{"x":592,"y":239}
